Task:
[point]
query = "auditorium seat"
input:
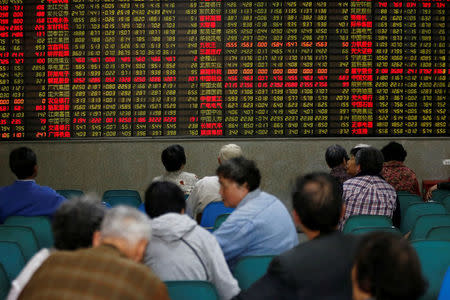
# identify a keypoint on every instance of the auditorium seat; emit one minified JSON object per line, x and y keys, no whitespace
{"x":434,"y":258}
{"x":115,"y":193}
{"x":414,"y":211}
{"x":70,"y":193}
{"x":41,"y":227}
{"x":425,"y":223}
{"x":406,"y":200}
{"x":444,"y":294}
{"x":23,"y":236}
{"x":439,"y":195}
{"x":219,"y":220}
{"x":5,"y":284}
{"x":441,"y":233}
{"x":359,"y":221}
{"x":251,"y":268}
{"x":211,"y":212}
{"x":446,"y":203}
{"x":364,"y":230}
{"x":11,"y":258}
{"x":191,"y":290}
{"x":123,"y":200}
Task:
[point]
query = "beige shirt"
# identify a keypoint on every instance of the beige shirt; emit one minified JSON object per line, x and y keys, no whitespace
{"x":205,"y":191}
{"x":184,"y":180}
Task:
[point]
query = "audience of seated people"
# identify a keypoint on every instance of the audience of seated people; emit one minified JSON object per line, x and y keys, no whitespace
{"x":206,"y":190}
{"x":394,"y":170}
{"x":109,"y":270}
{"x":260,"y":224}
{"x":25,"y":197}
{"x":174,"y":160}
{"x":368,"y":193}
{"x":319,"y":268}
{"x":387,"y":267}
{"x":180,"y":249}
{"x":336,"y":158}
{"x":73,"y":226}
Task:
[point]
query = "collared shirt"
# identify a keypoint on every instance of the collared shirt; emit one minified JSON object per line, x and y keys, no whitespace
{"x":400,"y":177}
{"x":260,"y":225}
{"x":205,"y":191}
{"x":340,"y":173}
{"x":184,"y":180}
{"x":368,"y":195}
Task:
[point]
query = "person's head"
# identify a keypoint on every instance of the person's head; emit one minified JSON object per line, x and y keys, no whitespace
{"x":173,"y":158}
{"x":352,"y":170}
{"x":164,"y":197}
{"x":335,"y":156}
{"x":127,"y":229}
{"x":237,"y":177}
{"x":317,"y":202}
{"x":23,"y":163}
{"x":369,"y":161}
{"x":75,"y":222}
{"x":386,"y":267}
{"x":228,"y":152}
{"x":394,"y":151}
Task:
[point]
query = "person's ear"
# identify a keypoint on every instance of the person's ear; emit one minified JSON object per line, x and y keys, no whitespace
{"x":96,"y":239}
{"x":35,"y":170}
{"x":140,"y":250}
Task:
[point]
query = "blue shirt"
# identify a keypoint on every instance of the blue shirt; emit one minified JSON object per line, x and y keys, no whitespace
{"x":26,"y":198}
{"x":260,"y":225}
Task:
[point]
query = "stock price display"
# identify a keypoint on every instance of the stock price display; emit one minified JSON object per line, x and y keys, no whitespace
{"x":151,"y":68}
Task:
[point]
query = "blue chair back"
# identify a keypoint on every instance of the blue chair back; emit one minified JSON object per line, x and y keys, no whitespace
{"x":425,"y":223}
{"x":12,"y":258}
{"x":40,"y":225}
{"x":406,"y":200}
{"x":191,"y":290}
{"x":120,"y":193}
{"x":122,"y":200}
{"x":211,"y":212}
{"x":219,"y":220}
{"x":434,"y":258}
{"x":251,"y":268}
{"x":414,"y":211}
{"x":444,"y":294}
{"x":441,"y":233}
{"x":141,"y":208}
{"x":358,"y":221}
{"x":5,"y":284}
{"x":70,"y":193}
{"x":23,"y":236}
{"x":364,"y":230}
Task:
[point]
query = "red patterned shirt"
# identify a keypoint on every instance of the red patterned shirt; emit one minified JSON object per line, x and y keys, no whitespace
{"x":400,"y":177}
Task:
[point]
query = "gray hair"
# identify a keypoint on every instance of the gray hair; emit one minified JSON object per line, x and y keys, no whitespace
{"x":127,"y":223}
{"x":229,"y":151}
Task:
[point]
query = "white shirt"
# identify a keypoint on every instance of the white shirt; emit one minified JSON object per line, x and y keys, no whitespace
{"x":205,"y":191}
{"x":184,"y":180}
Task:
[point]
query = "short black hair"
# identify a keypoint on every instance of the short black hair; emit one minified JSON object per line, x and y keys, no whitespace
{"x":22,"y":162}
{"x":388,"y":267}
{"x":370,"y":160}
{"x":163,"y":197}
{"x":356,"y":149}
{"x":394,"y":151}
{"x":173,"y":158}
{"x":335,"y":155}
{"x":241,"y":170}
{"x":75,"y":222}
{"x":317,"y":200}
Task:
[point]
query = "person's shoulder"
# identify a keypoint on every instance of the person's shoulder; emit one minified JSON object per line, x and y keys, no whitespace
{"x":188,"y":175}
{"x":157,"y":178}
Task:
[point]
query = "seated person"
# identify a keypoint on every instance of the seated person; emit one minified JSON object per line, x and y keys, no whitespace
{"x":395,"y":172}
{"x":174,"y":159}
{"x":387,"y":267}
{"x":206,"y":190}
{"x":319,"y":268}
{"x":73,"y":226}
{"x":337,"y":158}
{"x":108,"y":270}
{"x":260,"y":224}
{"x":368,"y":193}
{"x":352,"y":170}
{"x":439,"y":186}
{"x":180,"y":249}
{"x":24,"y":197}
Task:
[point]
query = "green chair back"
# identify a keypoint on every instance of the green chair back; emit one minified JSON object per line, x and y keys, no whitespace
{"x":251,"y":268}
{"x":364,"y":230}
{"x":414,"y":211}
{"x":219,"y":220}
{"x":23,"y":236}
{"x":123,"y":200}
{"x":11,"y":258}
{"x":434,"y":258}
{"x":70,"y":193}
{"x":358,"y":221}
{"x":406,"y":200}
{"x":425,"y":223}
{"x":441,"y":233}
{"x":439,"y":195}
{"x":5,"y":284}
{"x":191,"y":290}
{"x":446,"y":203}
{"x":40,"y":225}
{"x":121,"y":193}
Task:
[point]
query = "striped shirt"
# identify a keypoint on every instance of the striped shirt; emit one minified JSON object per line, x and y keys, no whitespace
{"x":368,"y":195}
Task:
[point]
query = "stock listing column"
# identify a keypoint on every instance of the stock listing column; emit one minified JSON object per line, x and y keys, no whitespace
{"x":5,"y":107}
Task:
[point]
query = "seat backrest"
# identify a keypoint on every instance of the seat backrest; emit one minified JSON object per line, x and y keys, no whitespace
{"x":414,"y":211}
{"x":434,"y":258}
{"x":446,"y":203}
{"x":211,"y":212}
{"x":12,"y":258}
{"x":23,"y":236}
{"x":5,"y":284}
{"x":123,"y":200}
{"x":439,"y":195}
{"x":251,"y":268}
{"x":425,"y":223}
{"x":439,"y":233}
{"x":358,"y":221}
{"x":40,"y":225}
{"x":444,"y":294}
{"x":219,"y":220}
{"x":115,"y":193}
{"x":406,"y":200}
{"x":70,"y":193}
{"x":191,"y":290}
{"x":364,"y":230}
